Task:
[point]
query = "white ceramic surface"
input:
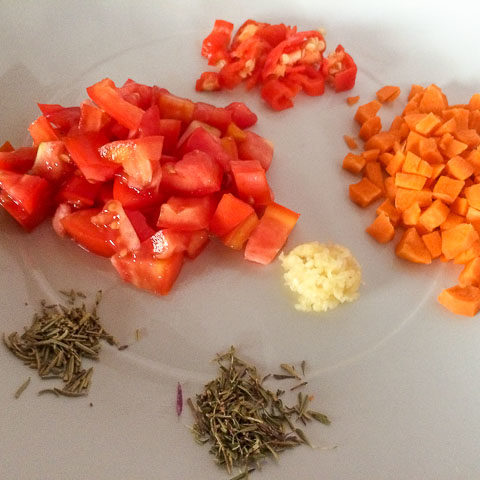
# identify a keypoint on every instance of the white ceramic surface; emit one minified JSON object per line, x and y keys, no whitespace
{"x":397,"y":374}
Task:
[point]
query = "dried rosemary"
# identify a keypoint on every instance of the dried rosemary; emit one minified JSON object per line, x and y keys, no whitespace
{"x":243,"y":421}
{"x":57,"y":340}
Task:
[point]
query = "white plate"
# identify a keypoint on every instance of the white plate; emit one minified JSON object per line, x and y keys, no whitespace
{"x":396,"y":373}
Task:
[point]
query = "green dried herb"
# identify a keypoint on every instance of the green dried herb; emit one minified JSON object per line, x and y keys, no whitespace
{"x":243,"y":421}
{"x":57,"y":340}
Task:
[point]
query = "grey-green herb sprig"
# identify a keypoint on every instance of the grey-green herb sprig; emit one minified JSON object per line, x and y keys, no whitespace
{"x":58,"y":339}
{"x":243,"y":421}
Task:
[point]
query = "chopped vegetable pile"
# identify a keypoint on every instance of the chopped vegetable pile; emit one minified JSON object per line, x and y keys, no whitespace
{"x":426,"y":170}
{"x":144,"y":177}
{"x":279,"y":59}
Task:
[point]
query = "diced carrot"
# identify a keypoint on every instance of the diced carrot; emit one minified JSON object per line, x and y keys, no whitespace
{"x":448,"y":126}
{"x":470,"y":275}
{"x":461,"y":300}
{"x":411,"y":215}
{"x":370,"y":128}
{"x":434,"y":215}
{"x":353,"y":163}
{"x":451,"y":147}
{"x":460,"y":206}
{"x":433,"y":100}
{"x":427,"y":149}
{"x":457,"y":239}
{"x":413,"y":142}
{"x":383,"y":141}
{"x":409,"y":180}
{"x":385,"y":158}
{"x":451,"y":221}
{"x":416,"y":89}
{"x":373,"y":171}
{"x":412,"y":105}
{"x":388,"y":208}
{"x":405,"y":197}
{"x":473,"y":158}
{"x":395,"y":164}
{"x":468,"y":136}
{"x":469,"y":254}
{"x":399,"y":128}
{"x":371,"y":155}
{"x":473,"y":215}
{"x":474,"y":103}
{"x":366,"y":111}
{"x":411,"y":247}
{"x":459,"y":168}
{"x":433,"y":242}
{"x":396,"y":123}
{"x":381,"y":229}
{"x":364,"y":192}
{"x":428,"y":124}
{"x":351,"y":142}
{"x":353,"y":100}
{"x":437,"y":169}
{"x":460,"y":115}
{"x":474,"y":120}
{"x":413,"y":118}
{"x":390,"y":188}
{"x":447,"y":189}
{"x":388,"y":93}
{"x":414,"y":164}
{"x":472,"y":194}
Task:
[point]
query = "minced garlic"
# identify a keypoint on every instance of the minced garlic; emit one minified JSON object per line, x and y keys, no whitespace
{"x":323,"y":275}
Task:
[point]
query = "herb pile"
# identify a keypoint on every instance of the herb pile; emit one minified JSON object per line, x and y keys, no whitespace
{"x":243,"y":421}
{"x":58,"y":339}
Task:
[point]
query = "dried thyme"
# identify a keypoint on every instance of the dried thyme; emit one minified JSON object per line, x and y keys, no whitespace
{"x":58,"y":339}
{"x":244,"y":422}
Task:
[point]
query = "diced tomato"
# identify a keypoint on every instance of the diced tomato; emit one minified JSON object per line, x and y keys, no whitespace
{"x":230,"y":146}
{"x":270,"y":234}
{"x":64,"y":118}
{"x":193,"y":125}
{"x":239,"y":235}
{"x":340,"y":70}
{"x":83,"y":149}
{"x":134,"y":198}
{"x":52,"y":162}
{"x":204,"y":141}
{"x":230,"y":212}
{"x":92,"y":118}
{"x":6,"y":147}
{"x":78,"y":192}
{"x":140,"y":224}
{"x":41,"y":131}
{"x":278,"y":93}
{"x":20,"y":161}
{"x":171,"y":106}
{"x":217,"y":117}
{"x":208,"y":82}
{"x":241,"y":114}
{"x":195,"y":174}
{"x":198,"y":241}
{"x":63,"y":210}
{"x":251,"y":182}
{"x":153,"y":275}
{"x":255,"y":147}
{"x":140,"y":158}
{"x":106,"y":192}
{"x":236,"y":133}
{"x":96,"y":239}
{"x":106,"y":95}
{"x":193,"y":213}
{"x":166,"y":242}
{"x":215,"y":45}
{"x":113,"y":217}
{"x":27,"y":198}
{"x":137,"y":93}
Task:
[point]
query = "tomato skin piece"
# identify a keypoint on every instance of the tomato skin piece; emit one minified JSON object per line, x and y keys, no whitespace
{"x":65,"y":118}
{"x":78,"y":192}
{"x":27,"y":198}
{"x":230,"y":212}
{"x":99,"y":240}
{"x":195,"y":174}
{"x":52,"y":162}
{"x":83,"y":149}
{"x":154,"y":275}
{"x":251,"y":182}
{"x":270,"y":234}
{"x":20,"y":160}
{"x":41,"y":131}
{"x":255,"y":147}
{"x":187,"y":213}
{"x":6,"y":147}
{"x":106,"y":95}
{"x":241,"y":115}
